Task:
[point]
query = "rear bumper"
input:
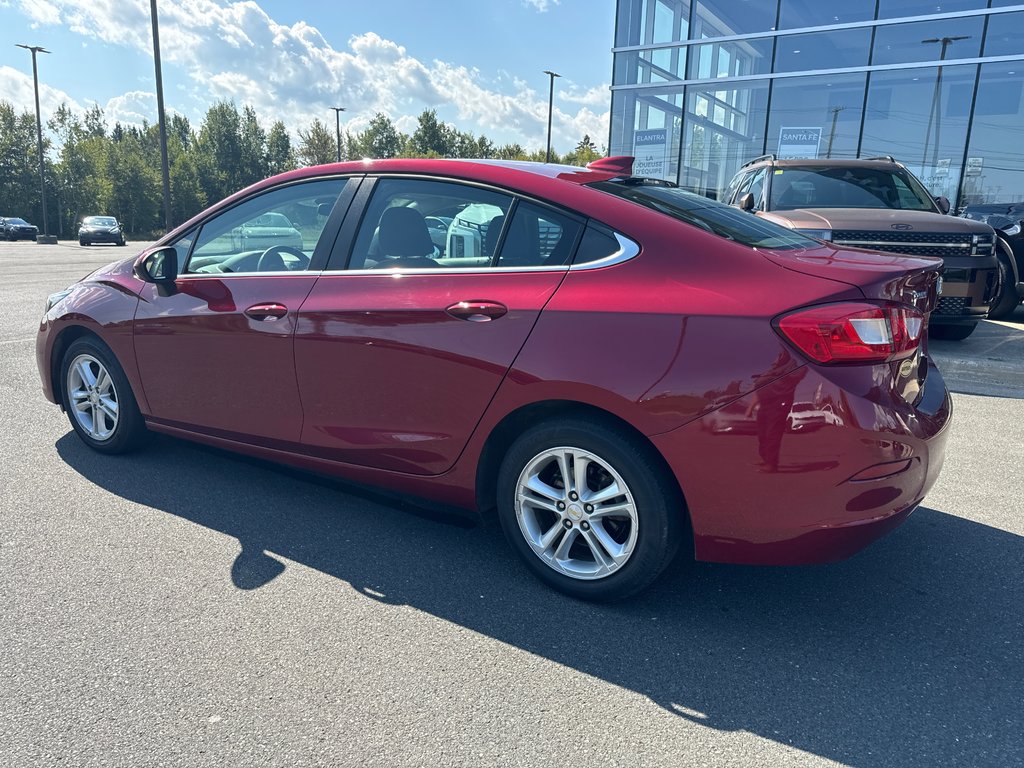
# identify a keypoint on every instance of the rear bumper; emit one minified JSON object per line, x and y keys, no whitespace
{"x":787,"y":497}
{"x":969,"y":284}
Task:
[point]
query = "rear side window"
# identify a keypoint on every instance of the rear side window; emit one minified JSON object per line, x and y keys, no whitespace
{"x":538,"y":237}
{"x":716,"y":218}
{"x":597,"y":243}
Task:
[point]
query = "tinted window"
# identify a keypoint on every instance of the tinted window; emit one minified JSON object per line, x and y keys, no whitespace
{"x":293,"y":219}
{"x":538,"y":237}
{"x":597,"y":243}
{"x":415,"y":223}
{"x":845,"y":187}
{"x":722,"y":220}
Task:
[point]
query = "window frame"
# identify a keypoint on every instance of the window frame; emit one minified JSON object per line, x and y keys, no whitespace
{"x":328,"y":235}
{"x":341,"y":255}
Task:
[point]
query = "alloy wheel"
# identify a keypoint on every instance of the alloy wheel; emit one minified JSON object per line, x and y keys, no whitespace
{"x":92,"y":397}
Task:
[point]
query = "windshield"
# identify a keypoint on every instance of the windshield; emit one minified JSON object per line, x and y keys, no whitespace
{"x":100,"y":221}
{"x":722,"y":220}
{"x":16,"y":221}
{"x":846,"y":187}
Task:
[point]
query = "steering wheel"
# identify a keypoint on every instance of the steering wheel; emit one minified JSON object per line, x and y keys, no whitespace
{"x":267,"y":262}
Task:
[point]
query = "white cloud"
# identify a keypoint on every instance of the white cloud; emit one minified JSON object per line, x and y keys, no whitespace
{"x":235,"y":50}
{"x":16,"y":88}
{"x":541,"y":5}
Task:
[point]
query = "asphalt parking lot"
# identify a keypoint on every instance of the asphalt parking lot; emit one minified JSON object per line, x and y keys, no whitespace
{"x":183,"y":606}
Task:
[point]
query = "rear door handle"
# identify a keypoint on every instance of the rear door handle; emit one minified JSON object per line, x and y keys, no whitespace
{"x":268,"y":312}
{"x":477,"y":311}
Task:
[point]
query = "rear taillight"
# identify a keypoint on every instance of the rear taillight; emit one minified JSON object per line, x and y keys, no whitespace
{"x":854,"y":332}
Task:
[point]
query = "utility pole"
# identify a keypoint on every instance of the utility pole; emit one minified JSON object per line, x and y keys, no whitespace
{"x":161,"y":118}
{"x":936,"y":111}
{"x":832,"y":133}
{"x":337,"y":127}
{"x":45,"y":238}
{"x":551,"y":101}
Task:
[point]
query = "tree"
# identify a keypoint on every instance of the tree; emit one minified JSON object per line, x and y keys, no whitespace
{"x":431,"y":137}
{"x":380,"y":139}
{"x":585,"y":152}
{"x":19,"y":164}
{"x":252,"y":149}
{"x":317,"y":145}
{"x":510,"y":152}
{"x":280,"y":157}
{"x":220,"y":151}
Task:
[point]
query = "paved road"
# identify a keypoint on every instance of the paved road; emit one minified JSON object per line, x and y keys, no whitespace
{"x":186,"y":607}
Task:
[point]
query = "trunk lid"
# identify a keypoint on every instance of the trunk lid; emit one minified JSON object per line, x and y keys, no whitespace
{"x":912,"y":280}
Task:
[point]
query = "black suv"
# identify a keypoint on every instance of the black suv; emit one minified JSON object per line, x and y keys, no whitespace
{"x":877,"y":204}
{"x":17,"y":229}
{"x":100,"y":229}
{"x":1007,"y":219}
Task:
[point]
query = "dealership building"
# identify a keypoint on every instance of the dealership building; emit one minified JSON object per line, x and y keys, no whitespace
{"x":702,"y":86}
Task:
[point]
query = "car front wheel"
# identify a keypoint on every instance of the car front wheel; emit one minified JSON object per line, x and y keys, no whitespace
{"x":1006,"y":301}
{"x":98,"y":399}
{"x":589,"y":509}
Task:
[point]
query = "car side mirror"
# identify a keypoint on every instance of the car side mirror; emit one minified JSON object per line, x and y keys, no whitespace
{"x":159,"y":266}
{"x":943,"y":203}
{"x":746,"y":202}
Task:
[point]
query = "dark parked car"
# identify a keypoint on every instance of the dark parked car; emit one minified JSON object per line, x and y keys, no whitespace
{"x":18,"y":229}
{"x":563,"y":362}
{"x":1007,"y":219}
{"x":878,"y":204}
{"x":100,"y":229}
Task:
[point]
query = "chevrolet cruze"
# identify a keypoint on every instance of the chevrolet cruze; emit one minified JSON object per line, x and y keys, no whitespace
{"x":614,"y":367}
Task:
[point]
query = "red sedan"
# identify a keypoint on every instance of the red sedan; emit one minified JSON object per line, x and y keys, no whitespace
{"x":611,"y":363}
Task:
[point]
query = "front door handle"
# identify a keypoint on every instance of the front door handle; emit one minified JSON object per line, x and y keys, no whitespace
{"x":268,"y":312}
{"x":477,"y":311}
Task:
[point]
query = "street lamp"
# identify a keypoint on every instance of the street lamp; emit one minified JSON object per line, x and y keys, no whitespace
{"x":551,"y":100}
{"x":337,"y":127}
{"x":45,"y":237}
{"x":936,"y":112}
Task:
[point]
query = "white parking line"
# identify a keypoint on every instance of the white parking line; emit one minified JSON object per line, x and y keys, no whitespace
{"x":17,"y":341}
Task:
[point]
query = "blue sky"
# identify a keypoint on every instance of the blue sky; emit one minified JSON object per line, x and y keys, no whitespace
{"x":478,"y":62}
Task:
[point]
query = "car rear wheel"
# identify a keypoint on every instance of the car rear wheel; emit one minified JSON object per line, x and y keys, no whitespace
{"x":589,"y":509}
{"x":951,"y":332}
{"x":82,"y":242}
{"x":98,"y":399}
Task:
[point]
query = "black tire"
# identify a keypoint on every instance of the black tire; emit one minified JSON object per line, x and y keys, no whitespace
{"x":659,"y":507}
{"x":82,"y":242}
{"x":129,"y":430}
{"x":1004,"y":304}
{"x":951,"y":332}
{"x":122,"y":243}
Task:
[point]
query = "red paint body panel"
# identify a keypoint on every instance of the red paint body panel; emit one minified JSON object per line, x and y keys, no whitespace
{"x":240,"y":371}
{"x":367,"y":377}
{"x":390,"y":380}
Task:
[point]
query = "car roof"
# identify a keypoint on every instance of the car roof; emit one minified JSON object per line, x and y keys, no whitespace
{"x":864,"y":162}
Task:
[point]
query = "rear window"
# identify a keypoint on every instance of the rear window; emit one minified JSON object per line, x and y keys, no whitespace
{"x":716,"y":218}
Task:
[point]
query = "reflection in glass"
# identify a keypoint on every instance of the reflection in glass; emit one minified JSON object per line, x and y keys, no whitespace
{"x":1005,"y":36}
{"x":892,"y":9}
{"x":646,"y":124}
{"x":823,"y":50}
{"x":928,"y":41}
{"x":651,"y":66}
{"x":724,"y":128}
{"x":735,"y":59}
{"x":645,"y":22}
{"x":720,"y":18}
{"x":814,"y":13}
{"x":995,"y":159}
{"x":921,"y":119}
{"x":832,"y":103}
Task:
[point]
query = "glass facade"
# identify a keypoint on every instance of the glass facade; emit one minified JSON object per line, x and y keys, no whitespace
{"x":702,"y":86}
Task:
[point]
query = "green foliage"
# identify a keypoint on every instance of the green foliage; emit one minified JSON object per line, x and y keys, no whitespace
{"x":96,"y":169}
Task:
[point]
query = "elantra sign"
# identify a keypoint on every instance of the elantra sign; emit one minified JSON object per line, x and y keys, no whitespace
{"x":650,"y":148}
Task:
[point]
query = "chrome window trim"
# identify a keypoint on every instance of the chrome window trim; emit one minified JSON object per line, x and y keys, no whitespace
{"x":627,"y":250}
{"x":727,"y":82}
{"x":824,"y":28}
{"x":222,"y":275}
{"x":398,"y":271}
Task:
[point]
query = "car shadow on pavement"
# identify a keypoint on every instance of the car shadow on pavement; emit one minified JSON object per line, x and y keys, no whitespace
{"x":908,"y":654}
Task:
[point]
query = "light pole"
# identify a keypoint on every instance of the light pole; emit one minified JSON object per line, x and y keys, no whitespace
{"x":832,"y":133}
{"x":936,"y":112}
{"x":551,"y":100}
{"x":45,"y":237}
{"x":164,"y":165}
{"x":337,"y":127}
